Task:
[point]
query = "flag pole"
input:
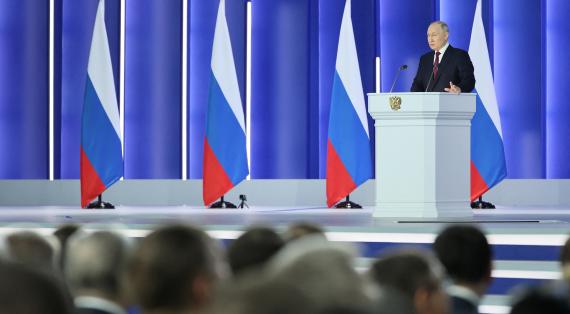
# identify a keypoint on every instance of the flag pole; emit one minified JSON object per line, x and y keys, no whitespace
{"x":99,"y":204}
{"x":223,"y":204}
{"x":347,"y":203}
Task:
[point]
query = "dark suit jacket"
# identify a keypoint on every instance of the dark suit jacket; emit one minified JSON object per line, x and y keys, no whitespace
{"x":455,"y":67}
{"x":462,"y":306}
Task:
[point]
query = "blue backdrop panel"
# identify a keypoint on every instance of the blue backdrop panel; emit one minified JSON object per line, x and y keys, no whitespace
{"x":459,"y":16}
{"x":24,"y":89}
{"x":403,"y":35}
{"x":518,"y":82}
{"x":281,"y":96}
{"x":58,"y":45}
{"x":153,"y":79}
{"x":330,"y":17}
{"x":77,"y":26}
{"x":202,"y":23}
{"x":557,"y":104}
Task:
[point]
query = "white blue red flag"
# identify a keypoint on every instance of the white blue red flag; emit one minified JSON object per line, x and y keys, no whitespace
{"x":488,"y":166}
{"x":225,"y":155}
{"x":349,"y":160}
{"x":101,"y":149}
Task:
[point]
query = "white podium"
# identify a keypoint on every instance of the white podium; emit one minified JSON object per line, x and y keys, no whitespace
{"x":422,"y":154}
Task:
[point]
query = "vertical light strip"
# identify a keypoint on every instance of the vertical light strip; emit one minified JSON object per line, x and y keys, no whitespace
{"x":122,"y":41}
{"x":51,"y":87}
{"x":248,"y":86}
{"x":184,"y":87}
{"x":377,"y":75}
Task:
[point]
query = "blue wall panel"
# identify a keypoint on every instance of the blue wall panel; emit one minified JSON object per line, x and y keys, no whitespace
{"x":281,"y":106}
{"x":201,"y":25}
{"x":330,"y":17}
{"x":153,"y":82}
{"x":24,"y":89}
{"x":518,"y":83}
{"x":557,"y":100}
{"x":77,"y":29}
{"x":459,"y":16}
{"x":403,"y":29}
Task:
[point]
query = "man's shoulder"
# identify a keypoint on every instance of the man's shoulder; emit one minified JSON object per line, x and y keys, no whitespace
{"x":457,"y":51}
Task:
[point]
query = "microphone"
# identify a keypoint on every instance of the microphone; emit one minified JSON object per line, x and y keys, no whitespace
{"x":402,"y":68}
{"x":429,"y":81}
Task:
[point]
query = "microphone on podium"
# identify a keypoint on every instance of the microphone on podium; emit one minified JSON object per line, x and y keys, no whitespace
{"x":431,"y":75}
{"x":402,"y":68}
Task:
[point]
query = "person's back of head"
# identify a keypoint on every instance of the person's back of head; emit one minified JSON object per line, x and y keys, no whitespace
{"x":466,"y":255}
{"x":96,"y":265}
{"x":540,"y":300}
{"x":30,"y":249}
{"x":565,"y":260}
{"x":27,"y":291}
{"x":62,"y":234}
{"x":301,"y":229}
{"x":253,"y":248}
{"x":172,"y":269}
{"x":416,"y":275}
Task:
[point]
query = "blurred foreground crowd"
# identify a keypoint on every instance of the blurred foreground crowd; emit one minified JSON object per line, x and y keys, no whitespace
{"x":181,"y":269}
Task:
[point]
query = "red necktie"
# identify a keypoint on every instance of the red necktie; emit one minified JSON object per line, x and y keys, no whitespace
{"x":436,"y":64}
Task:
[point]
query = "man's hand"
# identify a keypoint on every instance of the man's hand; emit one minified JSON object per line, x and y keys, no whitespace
{"x":454,"y":89}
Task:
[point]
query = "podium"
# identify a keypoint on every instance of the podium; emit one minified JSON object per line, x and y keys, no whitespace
{"x":422,"y":154}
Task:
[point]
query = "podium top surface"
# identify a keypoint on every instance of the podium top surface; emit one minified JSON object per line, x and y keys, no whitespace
{"x":420,"y":93}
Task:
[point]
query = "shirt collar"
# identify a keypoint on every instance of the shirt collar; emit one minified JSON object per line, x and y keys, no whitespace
{"x":464,"y":293}
{"x":98,"y":303}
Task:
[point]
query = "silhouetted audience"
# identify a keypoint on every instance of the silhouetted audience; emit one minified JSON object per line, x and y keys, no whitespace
{"x":541,"y":300}
{"x":565,"y":261}
{"x":173,"y":270}
{"x":62,"y":234}
{"x":301,"y":229}
{"x":95,"y":272}
{"x":467,"y":256}
{"x":253,"y":248}
{"x":30,"y":249}
{"x":415,"y":276}
{"x":24,"y":290}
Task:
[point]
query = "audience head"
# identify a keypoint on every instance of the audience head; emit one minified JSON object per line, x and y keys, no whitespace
{"x":301,"y":229}
{"x":24,"y":290}
{"x":417,"y":276}
{"x":253,"y":248}
{"x":323,"y":271}
{"x":466,"y":255}
{"x":96,"y":265}
{"x":541,"y":300}
{"x":30,"y":249}
{"x":173,"y":269}
{"x":565,"y":260}
{"x":62,"y":234}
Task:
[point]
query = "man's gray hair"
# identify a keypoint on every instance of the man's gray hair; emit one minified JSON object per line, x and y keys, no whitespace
{"x":96,"y":263}
{"x":443,"y":26}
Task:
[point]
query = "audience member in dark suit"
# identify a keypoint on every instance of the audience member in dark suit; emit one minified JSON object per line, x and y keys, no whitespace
{"x":467,"y":257}
{"x":95,"y":268}
{"x":445,"y":69}
{"x":412,"y":281}
{"x":173,"y":270}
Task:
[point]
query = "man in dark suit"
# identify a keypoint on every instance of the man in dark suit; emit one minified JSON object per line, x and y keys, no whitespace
{"x":467,"y":257}
{"x":445,"y":69}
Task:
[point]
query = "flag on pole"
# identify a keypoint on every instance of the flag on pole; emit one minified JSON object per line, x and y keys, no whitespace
{"x":349,"y":160}
{"x":101,"y":157}
{"x":488,"y":166}
{"x":225,"y":155}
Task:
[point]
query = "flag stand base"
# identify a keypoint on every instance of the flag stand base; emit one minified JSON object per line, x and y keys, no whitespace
{"x":99,"y":204}
{"x":222,"y":204}
{"x":480,"y":204}
{"x":347,"y":204}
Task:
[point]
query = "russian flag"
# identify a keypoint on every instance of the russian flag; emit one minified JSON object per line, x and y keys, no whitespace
{"x":225,"y":155}
{"x":349,"y":160}
{"x":488,"y":166}
{"x":101,"y":157}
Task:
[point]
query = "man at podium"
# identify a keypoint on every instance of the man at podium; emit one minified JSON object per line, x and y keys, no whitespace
{"x":445,"y":69}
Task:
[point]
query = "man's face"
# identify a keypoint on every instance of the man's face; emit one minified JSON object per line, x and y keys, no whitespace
{"x":436,"y":37}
